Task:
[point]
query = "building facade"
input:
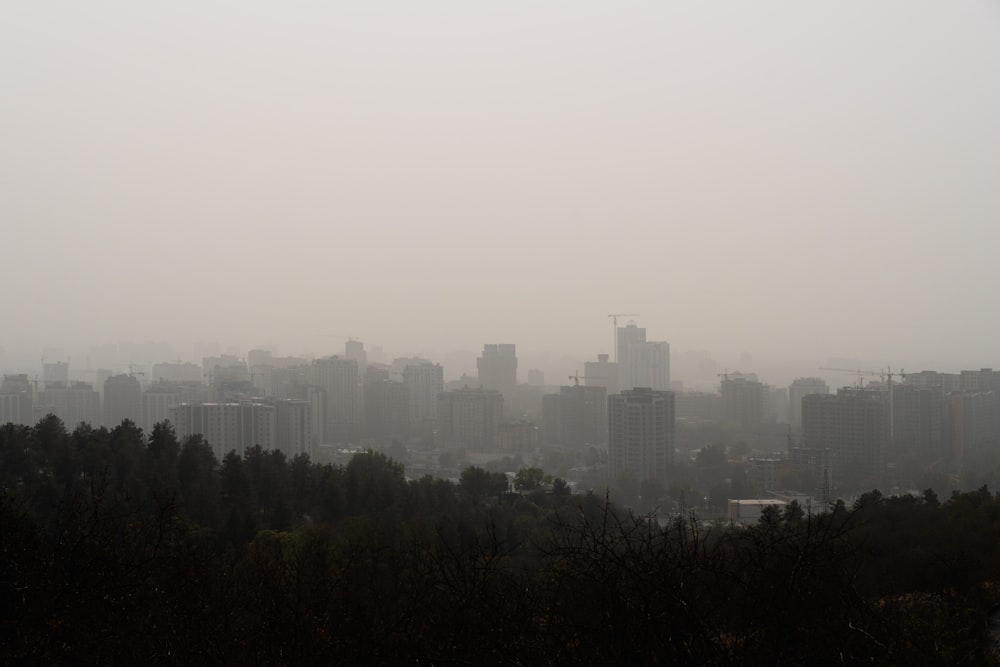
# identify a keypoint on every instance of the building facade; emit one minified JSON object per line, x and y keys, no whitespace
{"x":122,"y":400}
{"x":641,"y":426}
{"x":498,"y":368}
{"x":469,"y":418}
{"x":227,"y":426}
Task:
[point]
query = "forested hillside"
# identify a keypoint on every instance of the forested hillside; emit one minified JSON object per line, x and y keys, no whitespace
{"x":122,"y":547}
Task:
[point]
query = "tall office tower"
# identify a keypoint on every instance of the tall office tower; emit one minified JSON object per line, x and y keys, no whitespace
{"x":424,"y":382}
{"x":122,"y":400}
{"x":227,"y":426}
{"x":55,"y":374}
{"x":498,"y":369}
{"x":800,"y":388}
{"x":853,"y":425}
{"x":744,"y":399}
{"x":469,"y":418}
{"x":176,"y":371}
{"x":575,"y":416}
{"x":73,"y":404}
{"x":385,"y":408}
{"x":601,"y":373}
{"x":293,"y":432}
{"x":641,"y":433}
{"x":918,"y":415}
{"x":646,"y":364}
{"x":339,"y":378}
{"x":17,"y":400}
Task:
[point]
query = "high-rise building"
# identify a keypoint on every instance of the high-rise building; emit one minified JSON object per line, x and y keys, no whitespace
{"x":176,"y":371}
{"x":646,"y":364}
{"x":697,"y":406}
{"x":293,"y":431}
{"x":161,"y":396}
{"x":918,"y":415}
{"x":339,"y":378}
{"x":576,"y":416}
{"x":853,"y":425}
{"x":17,"y":400}
{"x":800,"y":388}
{"x":227,"y":426}
{"x":386,"y":409}
{"x":355,"y":349}
{"x":55,"y":374}
{"x":973,"y":424}
{"x":469,"y":418}
{"x":602,"y":373}
{"x":745,"y":401}
{"x":626,"y":337}
{"x":122,"y":400}
{"x":226,"y":369}
{"x":498,"y":369}
{"x":73,"y":404}
{"x":424,"y":382}
{"x":641,"y":425}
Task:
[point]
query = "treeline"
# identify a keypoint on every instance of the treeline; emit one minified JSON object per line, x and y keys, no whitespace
{"x":122,"y":547}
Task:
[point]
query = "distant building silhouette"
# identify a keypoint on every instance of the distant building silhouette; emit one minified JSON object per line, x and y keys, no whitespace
{"x":122,"y":400}
{"x":602,"y":373}
{"x":227,"y":426}
{"x":157,"y":400}
{"x":55,"y":374}
{"x":17,"y":400}
{"x":293,"y":431}
{"x":918,"y":421}
{"x":642,"y":363}
{"x":641,"y":425}
{"x":176,"y":371}
{"x":386,"y":408}
{"x":470,"y":418}
{"x":800,"y":388}
{"x":577,"y":415}
{"x":424,"y":382}
{"x":73,"y":404}
{"x":853,"y":425}
{"x":339,"y":378}
{"x":498,"y":369}
{"x":745,"y":401}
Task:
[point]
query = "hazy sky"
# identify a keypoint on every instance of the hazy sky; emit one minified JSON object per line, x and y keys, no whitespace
{"x":811,"y":179}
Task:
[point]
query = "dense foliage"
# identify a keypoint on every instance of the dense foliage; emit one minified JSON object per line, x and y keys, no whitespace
{"x":121,"y":547}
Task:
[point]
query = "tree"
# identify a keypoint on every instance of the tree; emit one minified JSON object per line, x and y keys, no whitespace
{"x":478,"y":484}
{"x":529,"y":479}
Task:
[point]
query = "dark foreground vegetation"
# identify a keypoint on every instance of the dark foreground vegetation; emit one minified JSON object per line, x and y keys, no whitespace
{"x":118,"y":547}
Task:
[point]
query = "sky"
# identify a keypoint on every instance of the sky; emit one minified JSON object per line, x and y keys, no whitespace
{"x":782,"y":179}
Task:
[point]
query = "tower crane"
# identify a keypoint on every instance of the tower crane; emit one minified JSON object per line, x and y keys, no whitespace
{"x":576,"y":378}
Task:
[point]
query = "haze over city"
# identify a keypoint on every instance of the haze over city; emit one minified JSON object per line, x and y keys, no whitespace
{"x":795,"y":182}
